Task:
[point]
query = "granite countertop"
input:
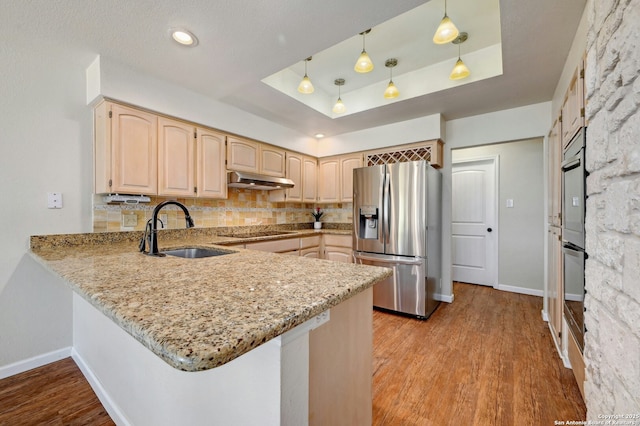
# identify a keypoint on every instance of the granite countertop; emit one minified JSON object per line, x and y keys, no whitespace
{"x":198,"y":314}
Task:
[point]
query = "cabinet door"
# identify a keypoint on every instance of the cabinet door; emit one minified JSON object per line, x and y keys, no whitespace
{"x":309,"y":179}
{"x":243,"y":155}
{"x":272,"y":161}
{"x":312,"y":252}
{"x":338,"y":254}
{"x":554,"y":175}
{"x":573,"y":107}
{"x":329,"y":180}
{"x":176,"y":158}
{"x":211,"y":176}
{"x":294,"y":172}
{"x":134,"y":157}
{"x":555,"y":282}
{"x":347,"y":164}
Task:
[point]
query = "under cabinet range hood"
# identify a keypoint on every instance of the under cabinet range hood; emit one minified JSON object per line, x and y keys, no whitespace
{"x":256,"y":181}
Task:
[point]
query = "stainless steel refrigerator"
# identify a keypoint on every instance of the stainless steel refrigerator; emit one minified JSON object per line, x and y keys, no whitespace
{"x":397,"y":224}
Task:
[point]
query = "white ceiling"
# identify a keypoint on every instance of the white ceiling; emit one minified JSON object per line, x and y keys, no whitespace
{"x":244,"y":41}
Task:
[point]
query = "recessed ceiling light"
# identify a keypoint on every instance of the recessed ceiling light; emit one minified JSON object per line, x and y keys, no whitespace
{"x":183,"y":37}
{"x":319,"y":135}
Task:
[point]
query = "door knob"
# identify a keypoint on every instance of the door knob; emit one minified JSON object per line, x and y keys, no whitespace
{"x":489,"y":229}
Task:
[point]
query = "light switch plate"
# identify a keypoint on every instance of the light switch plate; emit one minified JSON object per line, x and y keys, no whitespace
{"x":509,"y":203}
{"x":54,"y":200}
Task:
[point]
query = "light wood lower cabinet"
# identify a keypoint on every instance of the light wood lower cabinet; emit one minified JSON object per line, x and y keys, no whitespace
{"x":326,"y":246}
{"x":338,"y":248}
{"x":555,"y":289}
{"x":276,"y":246}
{"x":340,"y":364}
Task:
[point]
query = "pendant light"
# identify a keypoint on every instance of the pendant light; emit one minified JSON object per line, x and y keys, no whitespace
{"x":363,"y":64}
{"x":460,"y":70}
{"x":392,"y":90}
{"x":447,"y":30}
{"x":305,"y":85}
{"x":339,"y":107}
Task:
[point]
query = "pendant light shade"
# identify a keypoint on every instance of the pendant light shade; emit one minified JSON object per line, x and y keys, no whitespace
{"x":339,"y":107}
{"x":447,"y":30}
{"x":305,"y":86}
{"x":392,"y":90}
{"x":364,"y":63}
{"x":460,"y":70}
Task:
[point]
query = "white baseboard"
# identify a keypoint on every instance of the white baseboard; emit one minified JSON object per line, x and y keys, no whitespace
{"x":108,"y":403}
{"x":35,"y":362}
{"x":545,"y":316}
{"x":443,"y":297}
{"x":573,"y":297}
{"x":520,"y":290}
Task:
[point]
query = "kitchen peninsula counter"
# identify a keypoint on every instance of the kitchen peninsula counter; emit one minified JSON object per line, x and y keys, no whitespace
{"x":197,"y":314}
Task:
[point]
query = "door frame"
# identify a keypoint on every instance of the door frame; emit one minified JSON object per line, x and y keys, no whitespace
{"x":496,"y":183}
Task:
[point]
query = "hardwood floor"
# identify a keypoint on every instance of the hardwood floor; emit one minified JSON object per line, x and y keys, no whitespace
{"x":486,"y":359}
{"x":56,"y":394}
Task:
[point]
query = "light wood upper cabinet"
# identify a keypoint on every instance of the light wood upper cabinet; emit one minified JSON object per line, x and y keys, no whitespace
{"x":573,"y":106}
{"x":243,"y":155}
{"x":336,"y":178}
{"x":176,"y":158}
{"x":554,"y":160}
{"x":309,"y":179}
{"x":294,"y":172}
{"x":250,"y":156}
{"x":126,"y":159}
{"x":329,"y":180}
{"x":211,"y":176}
{"x":272,"y":161}
{"x":347,"y":164}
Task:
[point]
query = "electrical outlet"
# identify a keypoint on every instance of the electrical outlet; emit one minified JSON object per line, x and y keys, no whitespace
{"x":129,"y":220}
{"x":165,"y":220}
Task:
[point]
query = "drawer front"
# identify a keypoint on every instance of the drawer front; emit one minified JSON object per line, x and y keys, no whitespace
{"x":337,"y":240}
{"x":307,"y":242}
{"x":276,"y":246}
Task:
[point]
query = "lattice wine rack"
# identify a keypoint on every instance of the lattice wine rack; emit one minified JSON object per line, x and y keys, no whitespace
{"x":415,"y":153}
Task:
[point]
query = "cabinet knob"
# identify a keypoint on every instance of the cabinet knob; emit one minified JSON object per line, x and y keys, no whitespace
{"x":489,"y":230}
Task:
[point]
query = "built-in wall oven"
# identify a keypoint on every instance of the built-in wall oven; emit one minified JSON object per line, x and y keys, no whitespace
{"x":573,"y":240}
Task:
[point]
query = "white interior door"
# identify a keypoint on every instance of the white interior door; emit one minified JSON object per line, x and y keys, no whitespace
{"x":474,"y":222}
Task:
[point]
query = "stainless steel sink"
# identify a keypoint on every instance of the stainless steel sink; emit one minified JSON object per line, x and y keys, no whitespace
{"x":196,"y":252}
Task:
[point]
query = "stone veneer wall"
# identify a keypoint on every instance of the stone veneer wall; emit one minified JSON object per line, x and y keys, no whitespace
{"x":612,"y":319}
{"x":242,"y":207}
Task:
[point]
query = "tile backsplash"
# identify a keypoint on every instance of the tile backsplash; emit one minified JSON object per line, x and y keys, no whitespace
{"x":243,"y":207}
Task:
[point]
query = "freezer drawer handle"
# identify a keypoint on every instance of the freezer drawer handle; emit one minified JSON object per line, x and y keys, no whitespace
{"x":398,"y":261}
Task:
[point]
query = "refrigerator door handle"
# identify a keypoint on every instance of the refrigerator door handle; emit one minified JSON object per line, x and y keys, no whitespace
{"x":386,"y":226}
{"x":395,"y":259}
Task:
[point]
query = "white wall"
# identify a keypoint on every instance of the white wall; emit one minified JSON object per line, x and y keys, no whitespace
{"x":515,"y":124}
{"x":45,"y":145}
{"x":416,"y":130}
{"x":521,"y":228}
